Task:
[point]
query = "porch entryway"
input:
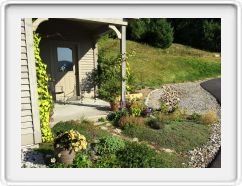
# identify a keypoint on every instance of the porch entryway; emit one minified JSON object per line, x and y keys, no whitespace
{"x":88,"y":108}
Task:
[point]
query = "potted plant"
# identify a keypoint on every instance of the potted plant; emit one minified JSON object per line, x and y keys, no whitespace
{"x":67,"y":144}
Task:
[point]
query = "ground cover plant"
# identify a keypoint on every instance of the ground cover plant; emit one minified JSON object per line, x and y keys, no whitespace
{"x":153,"y":67}
{"x":179,"y":136}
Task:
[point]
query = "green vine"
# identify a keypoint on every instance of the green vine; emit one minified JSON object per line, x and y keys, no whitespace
{"x":44,"y":98}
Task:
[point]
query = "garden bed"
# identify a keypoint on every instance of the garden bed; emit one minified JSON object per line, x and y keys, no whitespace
{"x":141,"y":137}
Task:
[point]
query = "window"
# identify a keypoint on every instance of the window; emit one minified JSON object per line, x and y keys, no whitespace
{"x":64,"y":59}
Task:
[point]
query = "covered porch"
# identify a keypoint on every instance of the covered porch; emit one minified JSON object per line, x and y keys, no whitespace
{"x":69,"y":48}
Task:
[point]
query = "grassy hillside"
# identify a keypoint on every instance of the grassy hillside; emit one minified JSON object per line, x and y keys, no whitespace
{"x":153,"y":67}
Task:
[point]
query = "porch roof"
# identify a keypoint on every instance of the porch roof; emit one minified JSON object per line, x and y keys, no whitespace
{"x":117,"y":22}
{"x":93,"y":26}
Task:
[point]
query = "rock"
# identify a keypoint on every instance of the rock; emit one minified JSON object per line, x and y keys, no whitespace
{"x":103,"y":128}
{"x":135,"y":139}
{"x":117,"y":130}
{"x":108,"y":124}
{"x":168,"y":150}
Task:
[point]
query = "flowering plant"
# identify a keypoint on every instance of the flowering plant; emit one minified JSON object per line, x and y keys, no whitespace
{"x":71,"y":140}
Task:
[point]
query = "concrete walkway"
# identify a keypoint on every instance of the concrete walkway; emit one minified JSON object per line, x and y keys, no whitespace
{"x":74,"y":110}
{"x":214,"y":87}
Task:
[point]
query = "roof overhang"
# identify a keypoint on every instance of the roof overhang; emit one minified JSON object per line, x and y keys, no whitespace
{"x":112,"y":21}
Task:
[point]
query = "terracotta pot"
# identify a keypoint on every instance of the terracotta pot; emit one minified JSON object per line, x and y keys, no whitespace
{"x":114,"y":106}
{"x":64,"y":156}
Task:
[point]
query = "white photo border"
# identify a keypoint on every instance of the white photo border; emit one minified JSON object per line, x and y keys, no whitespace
{"x":3,"y":116}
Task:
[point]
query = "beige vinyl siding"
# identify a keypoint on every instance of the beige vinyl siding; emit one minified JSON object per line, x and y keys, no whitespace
{"x":27,"y":136}
{"x":28,"y":130}
{"x":86,"y":66}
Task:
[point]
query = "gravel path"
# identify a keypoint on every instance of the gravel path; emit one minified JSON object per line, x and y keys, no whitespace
{"x":31,"y":158}
{"x":193,"y":98}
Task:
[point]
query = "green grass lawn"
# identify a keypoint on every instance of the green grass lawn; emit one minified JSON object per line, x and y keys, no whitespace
{"x":153,"y":67}
{"x":179,"y":136}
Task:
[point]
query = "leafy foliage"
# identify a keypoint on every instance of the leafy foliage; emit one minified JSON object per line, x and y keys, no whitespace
{"x":199,"y":33}
{"x":136,"y":155}
{"x":163,"y":107}
{"x":136,"y":108}
{"x":108,"y":77}
{"x":44,"y":96}
{"x":109,"y":145}
{"x":108,"y":161}
{"x":159,"y":33}
{"x":115,"y":116}
{"x":155,"y":32}
{"x":82,"y":161}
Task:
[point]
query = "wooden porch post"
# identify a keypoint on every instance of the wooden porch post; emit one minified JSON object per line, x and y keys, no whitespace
{"x":123,"y":66}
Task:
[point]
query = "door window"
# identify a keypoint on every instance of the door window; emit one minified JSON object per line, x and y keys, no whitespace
{"x":64,"y":59}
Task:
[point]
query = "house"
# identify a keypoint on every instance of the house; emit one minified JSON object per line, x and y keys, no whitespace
{"x":69,"y":48}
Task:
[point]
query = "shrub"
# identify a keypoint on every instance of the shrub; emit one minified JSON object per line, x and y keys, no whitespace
{"x":194,"y":117}
{"x":81,"y":161}
{"x":155,"y":123}
{"x":159,"y":34}
{"x":130,"y":120}
{"x":136,"y":29}
{"x":211,"y":35}
{"x":109,"y":145}
{"x":200,"y":33}
{"x":108,"y":161}
{"x":209,"y":118}
{"x":108,"y":77}
{"x":136,"y":108}
{"x":115,"y":116}
{"x":138,"y":156}
{"x":155,"y":32}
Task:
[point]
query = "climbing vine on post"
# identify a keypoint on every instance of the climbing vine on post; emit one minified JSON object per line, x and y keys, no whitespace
{"x":44,"y":98}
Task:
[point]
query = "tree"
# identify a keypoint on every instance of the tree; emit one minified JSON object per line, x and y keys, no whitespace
{"x":203,"y":33}
{"x":155,"y":32}
{"x":159,"y":33}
